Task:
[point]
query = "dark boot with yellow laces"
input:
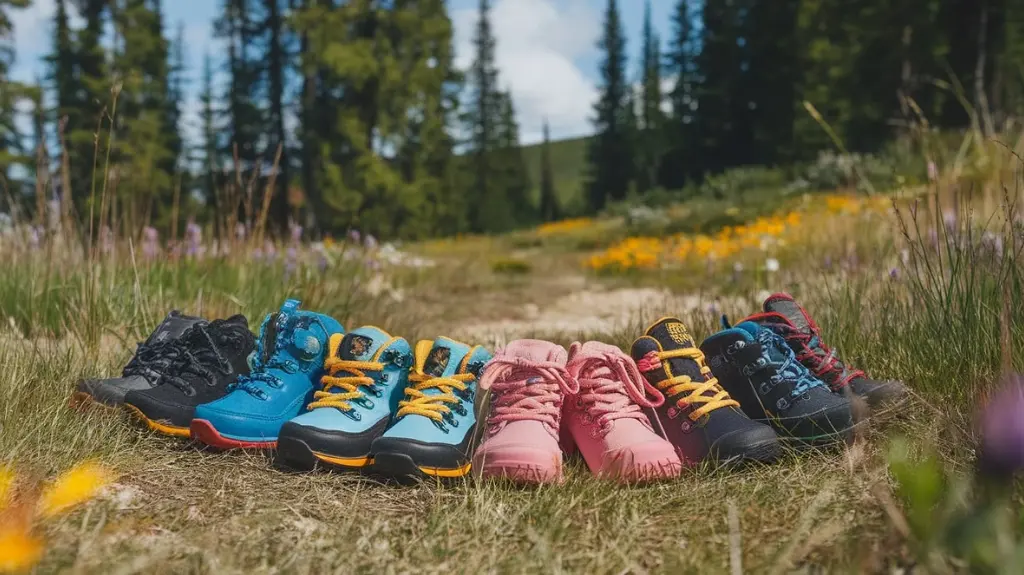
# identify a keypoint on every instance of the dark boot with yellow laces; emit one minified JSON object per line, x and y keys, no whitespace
{"x":698,"y":417}
{"x":433,"y":430}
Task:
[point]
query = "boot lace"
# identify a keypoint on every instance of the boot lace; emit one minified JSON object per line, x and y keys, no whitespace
{"x":524,"y":389}
{"x":201,"y":356}
{"x":152,"y":360}
{"x":787,"y":369}
{"x":707,"y":394}
{"x":346,"y":383}
{"x":611,"y":387}
{"x":819,"y":355}
{"x":438,"y":407}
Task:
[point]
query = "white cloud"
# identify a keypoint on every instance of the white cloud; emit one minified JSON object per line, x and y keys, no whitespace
{"x":538,"y":42}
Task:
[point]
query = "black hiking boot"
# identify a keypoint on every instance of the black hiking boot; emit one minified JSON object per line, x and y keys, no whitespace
{"x":213,"y":356}
{"x":759,"y":370}
{"x":698,"y":417}
{"x":151,"y":359}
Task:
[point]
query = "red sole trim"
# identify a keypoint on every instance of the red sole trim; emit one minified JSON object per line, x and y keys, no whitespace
{"x":204,"y":432}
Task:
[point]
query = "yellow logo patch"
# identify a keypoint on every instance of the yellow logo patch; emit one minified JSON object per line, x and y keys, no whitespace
{"x":678,"y":333}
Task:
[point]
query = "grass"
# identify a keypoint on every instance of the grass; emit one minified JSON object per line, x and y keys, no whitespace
{"x":949,"y":324}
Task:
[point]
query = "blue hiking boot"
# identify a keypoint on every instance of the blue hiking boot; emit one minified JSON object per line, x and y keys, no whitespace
{"x":367,"y":370}
{"x":432,"y":434}
{"x":760,"y":371}
{"x":286,"y":366}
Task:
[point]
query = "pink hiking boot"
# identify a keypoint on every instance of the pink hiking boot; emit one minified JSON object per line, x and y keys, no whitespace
{"x":605,"y":420}
{"x":527,"y":380}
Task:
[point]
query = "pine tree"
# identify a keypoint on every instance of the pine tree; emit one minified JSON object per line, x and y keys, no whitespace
{"x":84,"y":136}
{"x":610,"y":153}
{"x":682,"y":161}
{"x":770,"y":78}
{"x":488,"y":207}
{"x":11,"y":149}
{"x":245,"y":118}
{"x":512,"y":174}
{"x":722,"y":120}
{"x":210,"y":130}
{"x":175,"y":99}
{"x":650,"y":145}
{"x":549,"y":208}
{"x":276,"y":64}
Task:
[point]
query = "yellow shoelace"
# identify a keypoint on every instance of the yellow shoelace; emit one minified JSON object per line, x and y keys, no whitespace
{"x":432,"y":406}
{"x":349,"y":384}
{"x":683,"y":383}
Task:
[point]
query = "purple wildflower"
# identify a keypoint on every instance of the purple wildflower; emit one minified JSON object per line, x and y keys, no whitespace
{"x":296,"y":233}
{"x":1002,"y":429}
{"x":354,"y":236}
{"x":949,"y":219}
{"x":34,"y":237}
{"x":150,"y":242}
{"x":370,"y":242}
{"x":894,"y":273}
{"x":291,"y":259}
{"x":828,"y":262}
{"x":193,"y":238}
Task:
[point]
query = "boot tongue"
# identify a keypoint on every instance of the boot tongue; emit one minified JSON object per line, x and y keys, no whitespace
{"x":671,"y":334}
{"x":362,"y":344}
{"x":786,"y":306}
{"x":441,"y":358}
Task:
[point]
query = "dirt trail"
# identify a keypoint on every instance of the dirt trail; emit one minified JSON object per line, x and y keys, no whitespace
{"x":592,"y":309}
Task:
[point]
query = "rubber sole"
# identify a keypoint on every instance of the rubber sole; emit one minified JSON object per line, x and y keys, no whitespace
{"x":157,"y":426}
{"x":203,"y":431}
{"x":295,"y":453}
{"x":402,"y":466}
{"x":759,"y":453}
{"x":82,"y":401}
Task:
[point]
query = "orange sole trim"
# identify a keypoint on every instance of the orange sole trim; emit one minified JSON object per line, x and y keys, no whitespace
{"x":204,"y":432}
{"x":82,"y":401}
{"x":457,"y":472}
{"x":344,"y":461}
{"x":165,"y":429}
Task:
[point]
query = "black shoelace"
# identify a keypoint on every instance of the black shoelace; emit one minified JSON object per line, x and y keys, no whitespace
{"x":152,"y":360}
{"x":201,"y":356}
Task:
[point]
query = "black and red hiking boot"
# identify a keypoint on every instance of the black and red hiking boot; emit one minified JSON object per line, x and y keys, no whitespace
{"x":787,"y":318}
{"x":698,"y":417}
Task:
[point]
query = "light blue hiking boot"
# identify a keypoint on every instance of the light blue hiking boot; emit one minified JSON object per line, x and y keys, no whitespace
{"x":286,"y":366}
{"x":433,"y":432}
{"x":367,"y":370}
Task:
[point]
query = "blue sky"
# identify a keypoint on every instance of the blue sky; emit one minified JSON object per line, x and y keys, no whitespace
{"x":547,"y":50}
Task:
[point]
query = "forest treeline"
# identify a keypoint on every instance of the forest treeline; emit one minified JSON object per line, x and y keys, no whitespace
{"x":345,"y":114}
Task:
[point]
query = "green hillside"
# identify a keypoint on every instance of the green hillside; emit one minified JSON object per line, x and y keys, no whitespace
{"x":568,"y":160}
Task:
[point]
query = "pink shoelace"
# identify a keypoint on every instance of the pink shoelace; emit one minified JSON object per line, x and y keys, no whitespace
{"x":611,"y":386}
{"x":524,"y":389}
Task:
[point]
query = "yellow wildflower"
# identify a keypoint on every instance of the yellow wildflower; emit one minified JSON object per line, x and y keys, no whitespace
{"x":20,"y":550}
{"x":76,"y":486}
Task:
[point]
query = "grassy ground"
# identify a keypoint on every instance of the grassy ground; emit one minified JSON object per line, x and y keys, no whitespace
{"x":942,"y":326}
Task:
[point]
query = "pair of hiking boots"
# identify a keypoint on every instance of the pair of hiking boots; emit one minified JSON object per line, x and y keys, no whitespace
{"x":187,"y":361}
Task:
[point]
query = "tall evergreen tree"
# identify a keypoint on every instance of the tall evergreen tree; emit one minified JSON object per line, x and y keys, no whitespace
{"x":11,"y":149}
{"x":651,"y":146}
{"x":275,"y":62}
{"x":488,"y":205}
{"x":722,"y":121}
{"x":549,"y":208}
{"x":511,"y":170}
{"x":245,"y":118}
{"x":209,"y":134}
{"x":682,"y":160}
{"x":610,"y":152}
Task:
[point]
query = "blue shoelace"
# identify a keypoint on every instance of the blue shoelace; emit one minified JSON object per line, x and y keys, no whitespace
{"x":258,"y":379}
{"x":789,"y":368}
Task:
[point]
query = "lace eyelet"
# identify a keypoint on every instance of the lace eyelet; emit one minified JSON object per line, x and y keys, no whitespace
{"x":440,"y":425}
{"x":782,"y":404}
{"x":686,"y":426}
{"x":353,"y":415}
{"x":363,"y":402}
{"x":673,"y":413}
